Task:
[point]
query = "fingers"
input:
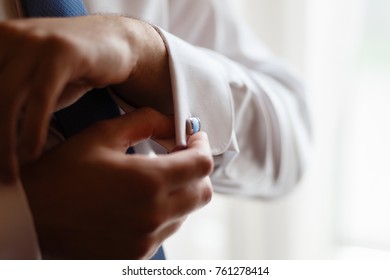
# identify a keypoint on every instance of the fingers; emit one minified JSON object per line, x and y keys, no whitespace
{"x":8,"y":162}
{"x":181,"y":176}
{"x":184,"y":178}
{"x":190,"y":198}
{"x":187,"y":174}
{"x":12,"y":96}
{"x":167,"y":173}
{"x":150,"y":123}
{"x":170,"y":186}
{"x":34,"y":129}
{"x":45,"y":88}
{"x":10,"y":108}
{"x":26,"y":83}
{"x":194,"y":162}
{"x":128,"y":130}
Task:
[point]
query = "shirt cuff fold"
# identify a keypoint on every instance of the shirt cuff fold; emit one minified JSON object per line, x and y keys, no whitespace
{"x":199,"y":90}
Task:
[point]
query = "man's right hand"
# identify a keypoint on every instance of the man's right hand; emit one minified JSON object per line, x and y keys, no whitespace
{"x":92,"y":201}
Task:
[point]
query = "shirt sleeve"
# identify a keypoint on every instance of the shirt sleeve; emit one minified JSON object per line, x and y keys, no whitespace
{"x":250,"y":104}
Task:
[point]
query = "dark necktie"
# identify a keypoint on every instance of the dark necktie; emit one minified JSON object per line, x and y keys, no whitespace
{"x":94,"y":106}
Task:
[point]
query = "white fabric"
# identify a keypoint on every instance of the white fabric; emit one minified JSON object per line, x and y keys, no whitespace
{"x":250,"y":104}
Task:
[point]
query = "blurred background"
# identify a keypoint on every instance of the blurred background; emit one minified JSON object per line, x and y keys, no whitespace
{"x":341,"y":209}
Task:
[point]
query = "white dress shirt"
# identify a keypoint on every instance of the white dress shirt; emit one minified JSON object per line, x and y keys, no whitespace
{"x":249,"y":103}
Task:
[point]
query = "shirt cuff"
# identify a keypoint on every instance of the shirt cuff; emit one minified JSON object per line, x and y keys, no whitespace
{"x":200,"y":90}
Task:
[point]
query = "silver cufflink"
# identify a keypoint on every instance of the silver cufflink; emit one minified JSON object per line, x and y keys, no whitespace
{"x":192,"y":125}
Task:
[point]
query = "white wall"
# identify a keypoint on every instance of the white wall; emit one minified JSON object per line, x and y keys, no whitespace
{"x":324,"y":217}
{"x":238,"y":228}
{"x":280,"y":24}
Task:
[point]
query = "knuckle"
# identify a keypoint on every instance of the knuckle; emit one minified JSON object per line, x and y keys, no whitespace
{"x":53,"y":51}
{"x":57,"y":49}
{"x":29,"y":35}
{"x":15,"y":36}
{"x":55,"y":43}
{"x":24,"y":32}
{"x":6,"y":27}
{"x":11,"y":27}
{"x":208,"y":192}
{"x":205,"y":162}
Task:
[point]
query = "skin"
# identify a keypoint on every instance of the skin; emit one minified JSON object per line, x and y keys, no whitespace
{"x":86,"y":195}
{"x":47,"y":64}
{"x":92,"y":211}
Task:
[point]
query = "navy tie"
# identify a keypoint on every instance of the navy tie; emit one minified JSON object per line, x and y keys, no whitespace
{"x":94,"y":106}
{"x":54,"y":8}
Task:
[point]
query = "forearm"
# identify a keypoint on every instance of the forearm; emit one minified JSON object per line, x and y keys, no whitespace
{"x":149,"y":83}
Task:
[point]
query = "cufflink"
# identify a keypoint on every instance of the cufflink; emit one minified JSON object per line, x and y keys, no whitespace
{"x":192,"y":126}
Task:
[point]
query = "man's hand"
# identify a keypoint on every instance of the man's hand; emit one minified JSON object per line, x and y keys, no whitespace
{"x":92,"y":201}
{"x":47,"y":64}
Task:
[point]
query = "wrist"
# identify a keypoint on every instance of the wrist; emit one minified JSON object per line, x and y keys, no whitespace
{"x":149,"y":82}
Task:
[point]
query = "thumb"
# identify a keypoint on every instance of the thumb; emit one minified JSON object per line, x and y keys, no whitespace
{"x":130,"y":129}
